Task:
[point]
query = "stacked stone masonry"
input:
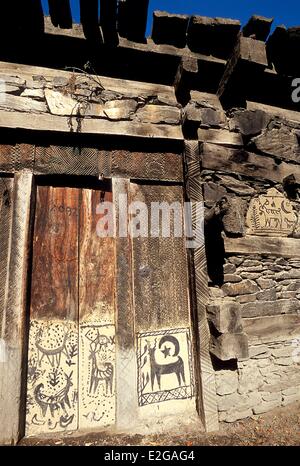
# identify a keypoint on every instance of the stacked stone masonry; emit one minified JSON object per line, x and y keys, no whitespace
{"x":254,"y":303}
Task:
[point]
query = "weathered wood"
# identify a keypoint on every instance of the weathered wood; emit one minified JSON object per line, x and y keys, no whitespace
{"x":146,"y":165}
{"x":44,"y":122}
{"x":108,"y":22}
{"x":13,"y":333}
{"x":6,"y":205}
{"x":169,"y":28}
{"x":89,"y":18}
{"x":160,"y":292}
{"x":205,"y":376}
{"x":230,"y":346}
{"x":220,"y":136}
{"x":125,"y":332}
{"x":244,"y":69}
{"x":55,"y":254}
{"x":274,"y":328}
{"x":245,"y":163}
{"x":132,"y":19}
{"x":289,"y":115}
{"x":53,"y":336}
{"x":225,"y":316}
{"x":60,"y":13}
{"x":270,"y":308}
{"x":281,"y":247}
{"x":212,"y":36}
{"x":258,"y":27}
{"x":96,"y":312}
{"x":22,"y":104}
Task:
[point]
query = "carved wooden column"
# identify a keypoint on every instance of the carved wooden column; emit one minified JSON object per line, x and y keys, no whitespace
{"x":206,"y":400}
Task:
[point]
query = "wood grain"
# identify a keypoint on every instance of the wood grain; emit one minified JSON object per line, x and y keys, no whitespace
{"x":55,"y":254}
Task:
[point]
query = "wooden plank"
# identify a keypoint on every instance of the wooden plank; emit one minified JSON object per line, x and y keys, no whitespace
{"x":53,"y":339}
{"x":122,"y":86}
{"x":160,"y":292}
{"x":281,"y":247}
{"x":89,"y":18}
{"x":108,"y":22}
{"x":161,"y":304}
{"x":273,"y":328}
{"x":147,"y":165}
{"x":60,"y":13}
{"x":246,"y":163}
{"x":125,"y":336}
{"x":205,"y":375}
{"x":45,"y":122}
{"x":6,"y":199}
{"x":12,"y":367}
{"x":96,"y":315}
{"x":289,"y":115}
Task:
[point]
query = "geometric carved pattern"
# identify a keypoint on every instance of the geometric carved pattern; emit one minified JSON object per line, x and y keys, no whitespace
{"x":206,"y":379}
{"x":90,"y":161}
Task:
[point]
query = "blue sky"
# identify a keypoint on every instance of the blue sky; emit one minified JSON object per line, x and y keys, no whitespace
{"x":284,"y":11}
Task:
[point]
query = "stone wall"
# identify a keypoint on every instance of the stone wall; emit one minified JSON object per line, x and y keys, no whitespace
{"x":250,"y":178}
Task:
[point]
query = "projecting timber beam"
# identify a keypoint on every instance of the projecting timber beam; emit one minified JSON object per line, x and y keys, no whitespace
{"x":258,"y":27}
{"x":169,"y":28}
{"x":281,"y":247}
{"x":132,"y":19}
{"x":89,"y":18}
{"x":244,"y":69}
{"x":60,"y":13}
{"x":108,"y":22}
{"x":212,"y":36}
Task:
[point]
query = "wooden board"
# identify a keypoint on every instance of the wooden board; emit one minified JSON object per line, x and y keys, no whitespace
{"x":273,"y":328}
{"x":125,"y":337}
{"x":6,"y":204}
{"x":14,"y":332}
{"x":53,"y":341}
{"x":161,"y":303}
{"x":108,"y":22}
{"x":281,"y":247}
{"x":96,"y":314}
{"x":246,"y":163}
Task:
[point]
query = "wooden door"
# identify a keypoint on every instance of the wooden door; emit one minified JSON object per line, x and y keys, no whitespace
{"x":71,"y":374}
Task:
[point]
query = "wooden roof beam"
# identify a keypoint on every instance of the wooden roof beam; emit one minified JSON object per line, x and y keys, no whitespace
{"x":283,"y":50}
{"x":60,"y":13}
{"x":108,"y":22}
{"x":169,"y":29}
{"x":89,"y":18}
{"x":244,"y":71}
{"x":132,"y":19}
{"x":212,"y":36}
{"x":258,"y":27}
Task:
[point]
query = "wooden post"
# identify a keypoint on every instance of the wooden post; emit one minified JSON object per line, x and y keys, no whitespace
{"x":207,"y":403}
{"x":126,"y":390}
{"x":12,"y":367}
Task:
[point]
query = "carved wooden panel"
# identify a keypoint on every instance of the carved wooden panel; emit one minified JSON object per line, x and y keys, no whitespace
{"x":97,"y":345}
{"x":52,"y":390}
{"x":271,"y":214}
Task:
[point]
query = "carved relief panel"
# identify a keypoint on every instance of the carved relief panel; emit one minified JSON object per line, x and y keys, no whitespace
{"x":271,"y":214}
